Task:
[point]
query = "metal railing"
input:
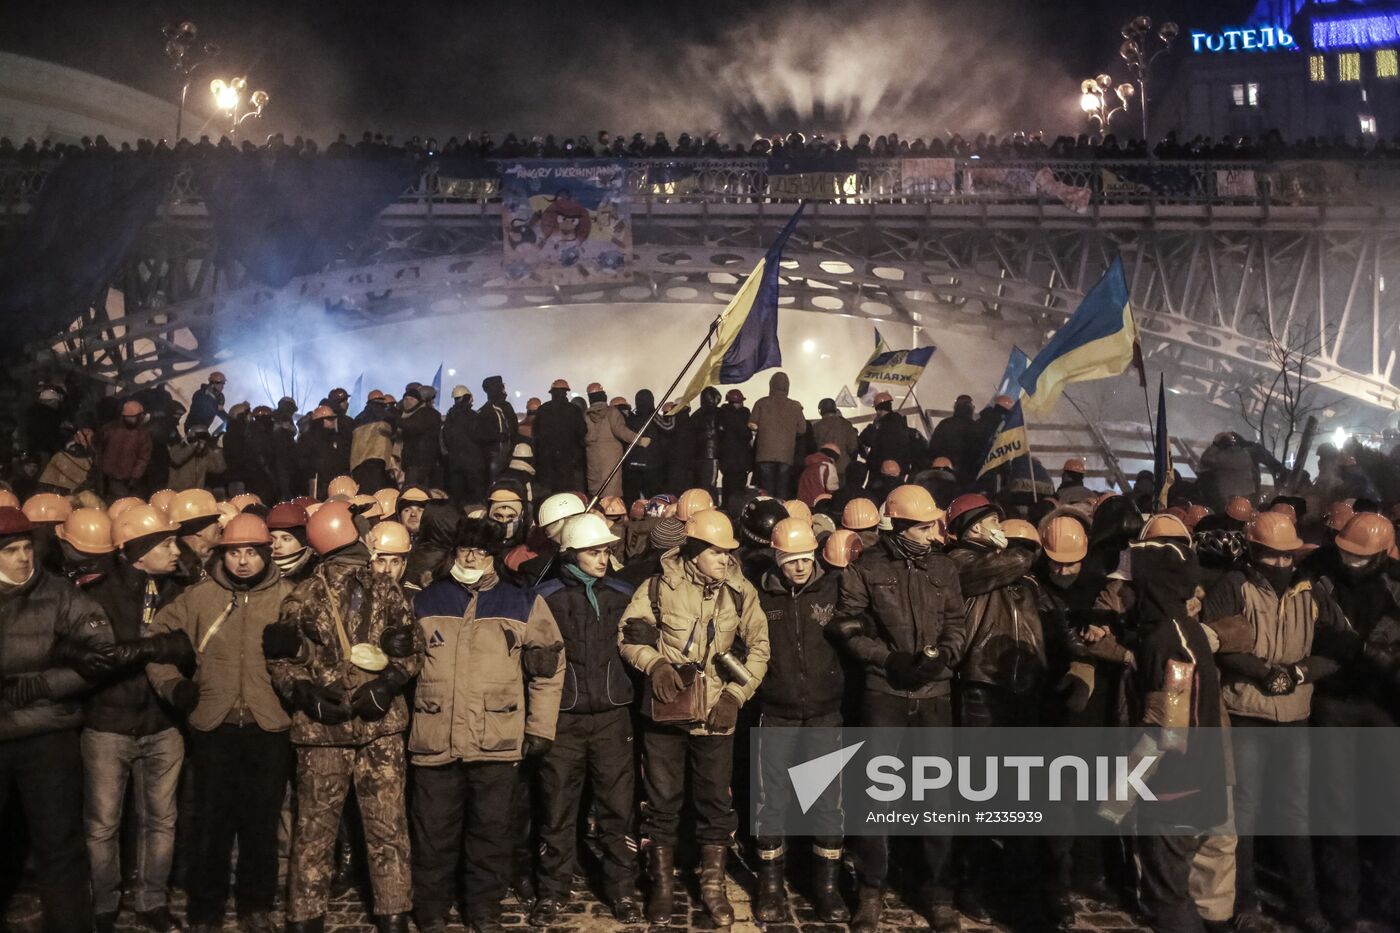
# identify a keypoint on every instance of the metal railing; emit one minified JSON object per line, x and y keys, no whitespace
{"x":1078,"y":185}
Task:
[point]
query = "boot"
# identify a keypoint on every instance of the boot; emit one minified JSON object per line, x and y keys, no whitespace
{"x":712,"y":893}
{"x":391,"y":923}
{"x":661,"y":867}
{"x":314,"y":925}
{"x":771,"y":903}
{"x":826,"y":897}
{"x":867,"y":918}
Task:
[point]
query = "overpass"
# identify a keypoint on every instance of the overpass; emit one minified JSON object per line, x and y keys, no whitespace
{"x":1222,"y":278}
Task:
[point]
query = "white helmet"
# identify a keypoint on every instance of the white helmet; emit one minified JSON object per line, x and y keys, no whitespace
{"x":558,"y":507}
{"x":582,"y":532}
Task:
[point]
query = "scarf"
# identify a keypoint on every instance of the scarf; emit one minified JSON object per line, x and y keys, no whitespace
{"x":908,"y":549}
{"x":293,"y":563}
{"x":588,"y":581}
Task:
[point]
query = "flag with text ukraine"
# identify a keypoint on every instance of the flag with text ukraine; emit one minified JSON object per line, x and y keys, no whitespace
{"x":1010,"y":440}
{"x":1096,"y":342}
{"x":746,"y":341}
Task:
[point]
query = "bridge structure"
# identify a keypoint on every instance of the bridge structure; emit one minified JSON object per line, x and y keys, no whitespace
{"x":1220,"y":283}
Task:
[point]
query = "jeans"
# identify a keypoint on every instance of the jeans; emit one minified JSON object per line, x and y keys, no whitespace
{"x":672,"y":758}
{"x":47,"y":771}
{"x":772,"y":477}
{"x":152,"y":764}
{"x":1273,"y":759}
{"x":775,"y":792}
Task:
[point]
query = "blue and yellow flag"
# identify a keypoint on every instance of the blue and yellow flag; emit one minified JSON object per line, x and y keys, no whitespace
{"x":1010,"y":441}
{"x":747,"y":339}
{"x":897,"y":367}
{"x":1097,"y":341}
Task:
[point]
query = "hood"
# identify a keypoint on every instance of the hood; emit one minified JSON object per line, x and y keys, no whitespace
{"x":645,"y":403}
{"x":815,"y":457}
{"x":438,"y":526}
{"x":778,"y":384}
{"x":219,"y":575}
{"x":598,"y":411}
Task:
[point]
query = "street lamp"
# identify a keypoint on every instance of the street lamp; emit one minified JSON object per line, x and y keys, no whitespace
{"x":228,"y":97}
{"x":1093,"y":99}
{"x":1141,"y":47}
{"x":186,"y":53}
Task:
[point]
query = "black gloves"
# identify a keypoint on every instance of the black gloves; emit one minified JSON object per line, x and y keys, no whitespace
{"x":725,"y":715}
{"x":91,"y":661}
{"x":372,"y":700}
{"x":638,"y":632}
{"x":23,"y":689}
{"x":666,"y":683}
{"x":909,"y":670}
{"x":281,"y":641}
{"x":397,"y":641}
{"x":324,"y":704}
{"x":1279,"y":681}
{"x":165,"y":648}
{"x":184,"y":696}
{"x":541,"y":660}
{"x":536,"y":746}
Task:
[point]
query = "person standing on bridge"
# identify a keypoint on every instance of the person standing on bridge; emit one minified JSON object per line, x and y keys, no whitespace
{"x":207,"y":403}
{"x":777,"y":423}
{"x":559,"y":435}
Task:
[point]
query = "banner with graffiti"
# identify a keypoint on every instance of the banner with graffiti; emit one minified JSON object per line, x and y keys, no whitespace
{"x":565,"y":222}
{"x":1309,"y":180}
{"x":824,"y":178}
{"x":999,"y":182}
{"x":1075,"y":197}
{"x":928,"y":176}
{"x":1235,"y":183}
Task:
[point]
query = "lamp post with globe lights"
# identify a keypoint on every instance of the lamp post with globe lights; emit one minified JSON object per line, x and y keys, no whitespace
{"x":229,"y":98}
{"x":1140,"y":49}
{"x":186,"y":53}
{"x":1094,"y":101}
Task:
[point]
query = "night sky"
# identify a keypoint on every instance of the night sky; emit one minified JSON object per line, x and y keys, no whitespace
{"x":441,"y":68}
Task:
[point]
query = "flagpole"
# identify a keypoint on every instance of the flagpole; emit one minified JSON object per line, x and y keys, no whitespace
{"x":1030,"y":457}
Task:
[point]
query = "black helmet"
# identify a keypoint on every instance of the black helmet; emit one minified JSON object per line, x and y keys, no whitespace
{"x":709,"y":397}
{"x":758,"y":518}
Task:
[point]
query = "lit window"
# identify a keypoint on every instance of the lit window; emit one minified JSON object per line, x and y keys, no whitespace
{"x":1245,"y":95}
{"x":1237,"y":94}
{"x":1349,"y":66}
{"x":1387,"y":65}
{"x":1317,"y":67}
{"x":1368,"y":125}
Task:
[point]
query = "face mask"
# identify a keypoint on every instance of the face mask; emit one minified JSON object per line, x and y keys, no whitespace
{"x":1357,"y":567}
{"x":8,"y":582}
{"x":981,"y":534}
{"x":507,"y":527}
{"x":292,"y":561}
{"x":466,"y":576}
{"x":1063,"y":581}
{"x":1278,"y":577}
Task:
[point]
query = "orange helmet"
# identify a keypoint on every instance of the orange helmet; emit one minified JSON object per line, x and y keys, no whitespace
{"x":1366,"y":534}
{"x":342,"y":486}
{"x":1074,"y":465}
{"x":638,"y":510}
{"x":690,"y":502}
{"x":559,"y":384}
{"x":1064,"y":538}
{"x":414,"y":495}
{"x":1194,"y":513}
{"x":532,"y":405}
{"x":47,"y":507}
{"x":798,"y":509}
{"x":243,"y":500}
{"x":121,"y":505}
{"x":713,"y":527}
{"x":388,"y":499}
{"x":245,"y":530}
{"x":161,"y":500}
{"x":388,"y":538}
{"x":942,"y":463}
{"x":366,"y":505}
{"x":138,"y":521}
{"x":860,"y":515}
{"x":1275,"y":531}
{"x":1338,"y":514}
{"x":331,"y":528}
{"x":1103,"y":497}
{"x":1240,"y":509}
{"x":793,"y":536}
{"x":613,"y":507}
{"x":912,"y":503}
{"x":192,"y":504}
{"x":1164,"y":526}
{"x":891,"y":468}
{"x":842,"y":547}
{"x":617,"y":401}
{"x":322,"y":412}
{"x":883,"y":397}
{"x":8,"y":500}
{"x":1018,"y":529}
{"x":1284,"y":508}
{"x":87,"y":531}
{"x":286,"y":515}
{"x":132,"y":409}
{"x":968,"y":509}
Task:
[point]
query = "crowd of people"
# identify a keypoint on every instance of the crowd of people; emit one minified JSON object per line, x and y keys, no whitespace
{"x":503,"y":633}
{"x":1015,"y":146}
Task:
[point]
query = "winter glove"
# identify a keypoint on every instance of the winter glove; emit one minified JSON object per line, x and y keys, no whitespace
{"x":1278,"y":682}
{"x":910,"y":670}
{"x":1106,"y":648}
{"x":165,"y":648}
{"x":666,"y":683}
{"x":281,"y":641}
{"x":92,"y":662}
{"x":536,"y":746}
{"x":326,"y":705}
{"x":541,"y":660}
{"x":1075,"y":692}
{"x":639,"y":632}
{"x":23,"y":689}
{"x":184,"y":696}
{"x":372,"y":701}
{"x":725,"y":715}
{"x":397,"y":641}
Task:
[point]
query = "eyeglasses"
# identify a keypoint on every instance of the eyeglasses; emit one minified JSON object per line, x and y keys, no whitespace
{"x":474,"y":553}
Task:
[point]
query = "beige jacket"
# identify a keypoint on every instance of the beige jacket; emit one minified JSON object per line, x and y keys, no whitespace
{"x":690,"y":602}
{"x":608,"y":436}
{"x":225,"y":626}
{"x":473,"y":701}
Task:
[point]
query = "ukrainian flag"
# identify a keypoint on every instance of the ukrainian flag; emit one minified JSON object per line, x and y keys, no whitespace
{"x":747,"y":339}
{"x":1010,"y":440}
{"x":1096,"y":342}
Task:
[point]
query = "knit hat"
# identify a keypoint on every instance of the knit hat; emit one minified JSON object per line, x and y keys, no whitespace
{"x":493,"y":385}
{"x":137,"y":548}
{"x":666,"y":534}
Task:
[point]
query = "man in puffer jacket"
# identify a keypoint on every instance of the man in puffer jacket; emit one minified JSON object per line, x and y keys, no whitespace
{"x":777,"y":423}
{"x":608,"y":436}
{"x":54,"y":642}
{"x":804,"y":686}
{"x":593,"y":741}
{"x":341,"y":654}
{"x":487,"y":698}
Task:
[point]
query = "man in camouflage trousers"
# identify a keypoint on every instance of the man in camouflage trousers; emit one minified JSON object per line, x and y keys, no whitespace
{"x":341,"y":654}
